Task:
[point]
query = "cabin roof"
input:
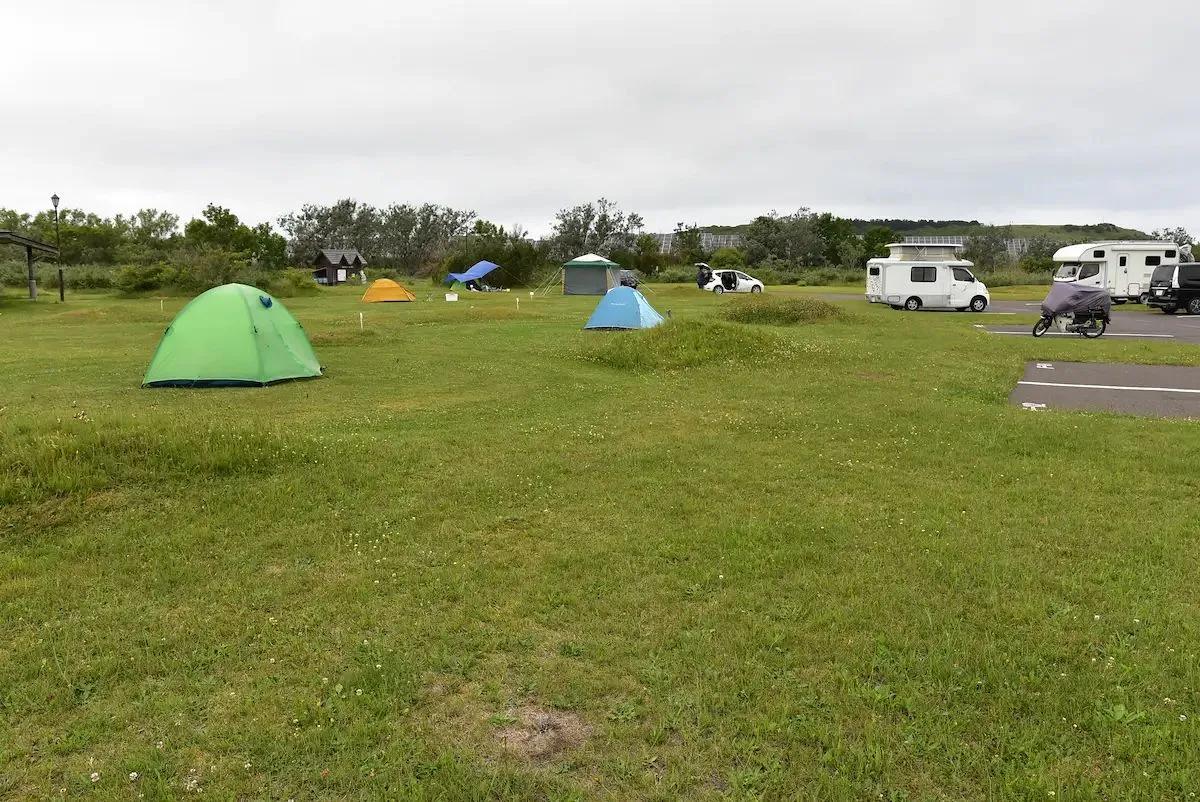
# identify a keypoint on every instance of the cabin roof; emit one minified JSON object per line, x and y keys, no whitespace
{"x":341,"y":256}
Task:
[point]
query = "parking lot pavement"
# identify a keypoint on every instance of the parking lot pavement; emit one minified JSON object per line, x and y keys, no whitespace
{"x":1131,"y":321}
{"x":1154,"y":390}
{"x":1132,"y":324}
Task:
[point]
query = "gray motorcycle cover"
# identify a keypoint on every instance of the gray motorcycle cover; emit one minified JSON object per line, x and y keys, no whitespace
{"x":1068,"y":296}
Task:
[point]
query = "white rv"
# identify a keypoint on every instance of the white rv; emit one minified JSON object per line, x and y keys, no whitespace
{"x":1122,"y":268}
{"x":925,"y":277}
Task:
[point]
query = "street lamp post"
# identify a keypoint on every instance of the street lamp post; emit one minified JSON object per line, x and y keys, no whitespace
{"x":62,"y":294}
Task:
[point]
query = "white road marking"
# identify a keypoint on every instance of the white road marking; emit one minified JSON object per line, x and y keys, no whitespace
{"x":1069,"y":334}
{"x":1045,"y":366}
{"x":1033,"y":407}
{"x":1113,"y":387}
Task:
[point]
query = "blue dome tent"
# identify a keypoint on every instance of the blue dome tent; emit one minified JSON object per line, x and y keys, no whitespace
{"x":624,"y":308}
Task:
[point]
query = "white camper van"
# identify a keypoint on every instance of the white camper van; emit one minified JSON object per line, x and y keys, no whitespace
{"x":925,"y":277}
{"x":1122,"y":268}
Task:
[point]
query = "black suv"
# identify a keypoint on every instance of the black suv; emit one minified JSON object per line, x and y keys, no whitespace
{"x":1175,"y":287}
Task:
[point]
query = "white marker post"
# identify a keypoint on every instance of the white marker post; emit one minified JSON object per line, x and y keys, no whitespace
{"x":518,"y":304}
{"x":360,"y":321}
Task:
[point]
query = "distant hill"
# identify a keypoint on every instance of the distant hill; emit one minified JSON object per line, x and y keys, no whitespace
{"x":933,"y":228}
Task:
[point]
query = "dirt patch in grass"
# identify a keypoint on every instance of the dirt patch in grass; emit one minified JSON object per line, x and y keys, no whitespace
{"x":782,"y":311}
{"x":539,"y":734}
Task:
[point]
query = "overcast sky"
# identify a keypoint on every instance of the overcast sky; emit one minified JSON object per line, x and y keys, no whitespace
{"x":1016,"y":111}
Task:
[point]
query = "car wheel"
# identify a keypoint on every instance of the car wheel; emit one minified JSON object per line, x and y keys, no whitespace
{"x":1193,"y":306}
{"x":1145,"y":296}
{"x":755,"y":289}
{"x":978,"y":303}
{"x":912,"y":304}
{"x":719,"y":290}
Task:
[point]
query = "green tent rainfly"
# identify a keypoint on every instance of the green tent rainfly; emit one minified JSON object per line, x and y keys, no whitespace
{"x":232,"y":336}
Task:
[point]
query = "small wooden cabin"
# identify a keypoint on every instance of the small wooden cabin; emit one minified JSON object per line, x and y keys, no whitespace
{"x":338,"y":265}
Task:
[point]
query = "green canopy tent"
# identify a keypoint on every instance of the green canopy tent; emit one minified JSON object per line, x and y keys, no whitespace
{"x":590,"y":274}
{"x":232,"y":336}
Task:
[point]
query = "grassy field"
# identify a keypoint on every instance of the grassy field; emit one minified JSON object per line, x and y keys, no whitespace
{"x":488,"y":555}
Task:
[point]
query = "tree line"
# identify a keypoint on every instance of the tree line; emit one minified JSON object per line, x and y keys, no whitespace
{"x":429,"y":240}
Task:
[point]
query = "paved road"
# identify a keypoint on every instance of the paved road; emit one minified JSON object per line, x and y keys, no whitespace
{"x":1154,"y":390}
{"x":1128,"y":321}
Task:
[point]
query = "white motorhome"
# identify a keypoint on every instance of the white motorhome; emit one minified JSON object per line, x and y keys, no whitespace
{"x":925,"y":277}
{"x":1122,"y":268}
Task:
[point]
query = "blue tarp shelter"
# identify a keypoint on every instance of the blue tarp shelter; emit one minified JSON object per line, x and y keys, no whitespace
{"x":476,"y":271}
{"x":624,"y":308}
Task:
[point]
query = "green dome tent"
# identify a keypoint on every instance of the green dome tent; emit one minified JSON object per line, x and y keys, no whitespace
{"x":232,"y":336}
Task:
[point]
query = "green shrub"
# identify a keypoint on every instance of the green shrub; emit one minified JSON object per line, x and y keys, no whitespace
{"x":728,"y":257}
{"x":1008,"y":278}
{"x":290,"y":283}
{"x":202,"y":269}
{"x":769,"y":275}
{"x":826,"y":276}
{"x":681,"y":344}
{"x":144,"y":278}
{"x":86,"y":277}
{"x":781,"y":311}
{"x":676,"y":274}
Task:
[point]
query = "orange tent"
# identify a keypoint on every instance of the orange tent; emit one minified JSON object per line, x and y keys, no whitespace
{"x":384,"y":289}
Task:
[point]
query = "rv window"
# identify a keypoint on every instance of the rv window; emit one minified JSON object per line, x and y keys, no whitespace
{"x":1097,"y":254}
{"x":962,"y":274}
{"x":924,"y":275}
{"x":873,"y":270}
{"x":1169,"y":254}
{"x":1123,"y":260}
{"x":1089,"y":270}
{"x":1153,"y":261}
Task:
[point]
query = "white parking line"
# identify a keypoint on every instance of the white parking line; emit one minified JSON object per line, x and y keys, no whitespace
{"x":1068,"y":334}
{"x":1112,"y":387}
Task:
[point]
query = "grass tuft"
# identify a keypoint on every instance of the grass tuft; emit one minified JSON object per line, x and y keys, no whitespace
{"x":84,"y":456}
{"x":680,"y":344}
{"x":782,"y":311}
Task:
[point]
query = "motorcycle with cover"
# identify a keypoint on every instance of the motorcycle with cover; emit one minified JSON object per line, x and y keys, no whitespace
{"x":1075,"y":310}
